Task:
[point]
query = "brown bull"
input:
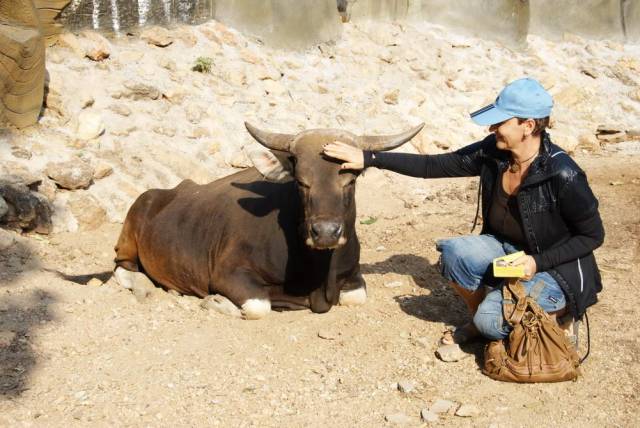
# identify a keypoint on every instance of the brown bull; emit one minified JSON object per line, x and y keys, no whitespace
{"x":287,"y":241}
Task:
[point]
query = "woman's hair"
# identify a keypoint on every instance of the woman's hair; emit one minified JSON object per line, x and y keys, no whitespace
{"x":541,"y":124}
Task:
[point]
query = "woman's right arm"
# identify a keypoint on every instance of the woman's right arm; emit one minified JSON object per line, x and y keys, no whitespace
{"x":454,"y":164}
{"x":461,"y":163}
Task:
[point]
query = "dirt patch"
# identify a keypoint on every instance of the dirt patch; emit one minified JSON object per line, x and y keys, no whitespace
{"x":73,"y":354}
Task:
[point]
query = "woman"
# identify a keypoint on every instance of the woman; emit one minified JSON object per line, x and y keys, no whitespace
{"x":534,"y":198}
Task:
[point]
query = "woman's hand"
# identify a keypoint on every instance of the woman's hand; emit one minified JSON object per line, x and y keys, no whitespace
{"x":353,"y":157}
{"x":529,"y":263}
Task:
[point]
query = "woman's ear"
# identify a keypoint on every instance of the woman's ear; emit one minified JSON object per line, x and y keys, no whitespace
{"x":529,"y":126}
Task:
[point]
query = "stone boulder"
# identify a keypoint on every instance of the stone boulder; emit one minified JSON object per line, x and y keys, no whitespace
{"x":71,"y":175}
{"x":25,"y":209}
{"x":87,"y":210}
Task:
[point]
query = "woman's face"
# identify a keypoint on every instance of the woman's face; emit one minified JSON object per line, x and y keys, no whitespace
{"x":510,"y":134}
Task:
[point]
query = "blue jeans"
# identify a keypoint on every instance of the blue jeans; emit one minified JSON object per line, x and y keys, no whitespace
{"x":467,"y":261}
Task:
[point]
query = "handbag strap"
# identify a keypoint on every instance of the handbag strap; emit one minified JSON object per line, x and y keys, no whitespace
{"x":514,"y":309}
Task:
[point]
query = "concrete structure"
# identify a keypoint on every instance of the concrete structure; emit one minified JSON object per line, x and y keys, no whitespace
{"x":631,"y":14}
{"x":503,"y":20}
{"x":595,"y":19}
{"x":299,"y":23}
{"x":283,"y":23}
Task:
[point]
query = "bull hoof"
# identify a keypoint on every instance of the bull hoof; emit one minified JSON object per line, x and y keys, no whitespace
{"x":221,"y":304}
{"x":355,"y":297}
{"x":254,"y":309}
{"x":125,"y":278}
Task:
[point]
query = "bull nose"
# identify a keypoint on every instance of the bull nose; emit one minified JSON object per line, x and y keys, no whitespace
{"x":326,"y":230}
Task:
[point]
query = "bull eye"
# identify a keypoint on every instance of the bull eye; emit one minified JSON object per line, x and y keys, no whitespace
{"x":347,"y":194}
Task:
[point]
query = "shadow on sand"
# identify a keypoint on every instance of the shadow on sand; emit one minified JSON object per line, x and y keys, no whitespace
{"x":440,"y":304}
{"x":20,"y":314}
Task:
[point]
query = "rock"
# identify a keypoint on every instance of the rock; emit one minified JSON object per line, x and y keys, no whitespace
{"x":168,"y":130}
{"x":612,"y":138}
{"x":85,"y":99}
{"x":21,"y":153}
{"x":6,"y":338}
{"x":26,"y":209}
{"x":442,"y":406}
{"x":423,"y":342}
{"x":199,"y":132}
{"x":635,"y":95}
{"x":247,"y":56}
{"x":193,"y":113}
{"x":54,"y":103}
{"x":428,"y":416}
{"x":167,"y":63}
{"x":588,"y":142}
{"x":96,"y":47}
{"x":47,"y":188}
{"x":392,"y":97}
{"x":240,"y":160}
{"x":627,"y":70}
{"x":175,"y":95}
{"x":102,"y":170}
{"x":129,"y":56}
{"x":120,"y":109}
{"x":398,"y":419}
{"x":186,"y":36}
{"x":90,"y":126}
{"x":4,"y":208}
{"x":571,"y":96}
{"x":94,"y":282}
{"x":393,"y":284}
{"x":567,"y":142}
{"x":406,"y":386}
{"x":6,"y":238}
{"x":69,"y":40}
{"x":70,"y":175}
{"x":263,"y":72}
{"x":157,"y":36}
{"x":467,"y":411}
{"x":16,"y":173}
{"x":87,"y":211}
{"x":327,"y":335}
{"x":142,"y":287}
{"x":140,"y":91}
{"x":222,"y":305}
{"x":451,"y":353}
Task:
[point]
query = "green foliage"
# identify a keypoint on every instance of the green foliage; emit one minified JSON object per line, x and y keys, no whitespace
{"x":203,"y":64}
{"x":369,"y":220}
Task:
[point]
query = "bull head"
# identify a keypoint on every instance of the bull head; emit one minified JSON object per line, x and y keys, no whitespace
{"x":327,"y":192}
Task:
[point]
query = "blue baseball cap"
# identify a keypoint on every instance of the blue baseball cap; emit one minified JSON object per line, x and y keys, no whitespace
{"x":523,"y":98}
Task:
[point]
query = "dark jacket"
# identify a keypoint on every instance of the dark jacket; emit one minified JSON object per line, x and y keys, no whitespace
{"x":559,"y":212}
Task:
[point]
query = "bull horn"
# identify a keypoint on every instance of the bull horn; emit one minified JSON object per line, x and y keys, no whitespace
{"x":270,"y":140}
{"x":386,"y":142}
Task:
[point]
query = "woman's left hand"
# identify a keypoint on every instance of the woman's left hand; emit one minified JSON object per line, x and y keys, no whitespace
{"x":529,"y":263}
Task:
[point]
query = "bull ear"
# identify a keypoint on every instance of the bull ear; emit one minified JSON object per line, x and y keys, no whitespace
{"x":386,"y":142}
{"x":270,"y":140}
{"x":273,"y":165}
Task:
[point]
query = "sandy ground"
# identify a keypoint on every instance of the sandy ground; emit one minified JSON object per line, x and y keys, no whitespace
{"x":93,"y":354}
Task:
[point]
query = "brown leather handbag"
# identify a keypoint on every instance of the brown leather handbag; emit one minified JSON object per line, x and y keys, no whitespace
{"x":537,"y":350}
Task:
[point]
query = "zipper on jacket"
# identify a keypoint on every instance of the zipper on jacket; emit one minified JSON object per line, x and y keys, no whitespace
{"x":581,"y":276}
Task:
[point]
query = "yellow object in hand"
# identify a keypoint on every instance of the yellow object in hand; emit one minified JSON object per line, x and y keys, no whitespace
{"x":502,"y":267}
